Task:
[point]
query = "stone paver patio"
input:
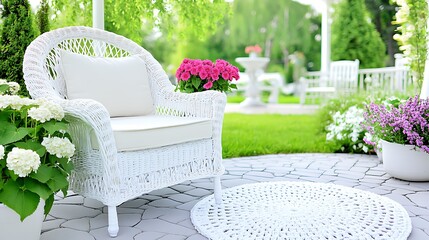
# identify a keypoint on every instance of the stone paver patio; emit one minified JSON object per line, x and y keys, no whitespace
{"x":164,"y":214}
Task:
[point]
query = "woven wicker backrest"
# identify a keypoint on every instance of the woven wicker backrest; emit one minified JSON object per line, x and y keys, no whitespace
{"x":42,"y":66}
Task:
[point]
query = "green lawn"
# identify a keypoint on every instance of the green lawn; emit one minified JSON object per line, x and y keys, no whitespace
{"x":287,"y":99}
{"x":249,"y":135}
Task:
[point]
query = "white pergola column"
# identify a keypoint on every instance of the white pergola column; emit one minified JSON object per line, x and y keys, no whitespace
{"x":424,"y":93}
{"x":326,"y":37}
{"x":98,"y":14}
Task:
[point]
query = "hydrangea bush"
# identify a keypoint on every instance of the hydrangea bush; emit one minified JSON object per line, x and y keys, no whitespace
{"x":403,"y":122}
{"x":201,"y":75}
{"x":35,"y":151}
{"x":347,"y":132}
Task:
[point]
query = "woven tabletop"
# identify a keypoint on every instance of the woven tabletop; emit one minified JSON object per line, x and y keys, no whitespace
{"x":300,"y":210}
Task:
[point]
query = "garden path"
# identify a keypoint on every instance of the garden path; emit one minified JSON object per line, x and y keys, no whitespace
{"x":164,"y":214}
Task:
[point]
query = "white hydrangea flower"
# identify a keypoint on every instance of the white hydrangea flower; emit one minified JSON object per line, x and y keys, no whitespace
{"x":13,"y":101}
{"x":61,"y":147}
{"x":46,"y":111}
{"x":2,"y":81}
{"x":1,"y":151}
{"x":365,"y":149}
{"x":22,"y":161}
{"x":14,"y":87}
{"x":41,"y":114}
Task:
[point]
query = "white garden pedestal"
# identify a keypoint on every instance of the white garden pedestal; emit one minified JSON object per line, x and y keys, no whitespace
{"x":252,"y":66}
{"x":11,"y":226}
{"x":405,"y":162}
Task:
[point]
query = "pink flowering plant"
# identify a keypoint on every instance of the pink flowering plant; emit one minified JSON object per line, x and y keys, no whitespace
{"x":201,"y":75}
{"x":256,"y":49}
{"x":396,"y":121}
{"x":35,"y":151}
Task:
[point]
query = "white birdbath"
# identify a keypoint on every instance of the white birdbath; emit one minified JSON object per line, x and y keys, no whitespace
{"x":252,"y":65}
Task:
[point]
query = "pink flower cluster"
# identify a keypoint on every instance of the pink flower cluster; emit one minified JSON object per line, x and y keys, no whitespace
{"x":256,"y":49}
{"x":207,"y":71}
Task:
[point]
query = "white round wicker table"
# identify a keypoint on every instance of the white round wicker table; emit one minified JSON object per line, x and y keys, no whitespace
{"x":300,"y":210}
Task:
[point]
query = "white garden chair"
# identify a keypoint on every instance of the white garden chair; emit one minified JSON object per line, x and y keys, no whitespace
{"x":133,"y":133}
{"x":342,"y":79}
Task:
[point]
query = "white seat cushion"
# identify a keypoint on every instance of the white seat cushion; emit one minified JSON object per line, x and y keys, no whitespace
{"x":151,"y":131}
{"x":120,"y":84}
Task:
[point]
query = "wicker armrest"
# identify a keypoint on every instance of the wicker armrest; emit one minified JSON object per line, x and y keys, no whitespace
{"x":208,"y":104}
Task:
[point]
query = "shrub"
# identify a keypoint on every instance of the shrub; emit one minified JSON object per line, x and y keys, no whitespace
{"x":17,"y":33}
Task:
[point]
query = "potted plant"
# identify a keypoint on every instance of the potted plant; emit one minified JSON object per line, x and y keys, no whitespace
{"x":253,"y":51}
{"x":35,"y":152}
{"x":403,"y":129}
{"x":201,"y":75}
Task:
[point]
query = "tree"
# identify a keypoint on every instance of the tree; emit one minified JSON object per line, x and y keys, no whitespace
{"x":17,"y":33}
{"x":129,"y":17}
{"x":382,"y":14}
{"x":43,"y":17}
{"x":354,"y":36}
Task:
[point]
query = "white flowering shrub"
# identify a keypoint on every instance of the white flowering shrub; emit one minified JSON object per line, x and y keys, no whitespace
{"x":347,"y":132}
{"x":35,"y":151}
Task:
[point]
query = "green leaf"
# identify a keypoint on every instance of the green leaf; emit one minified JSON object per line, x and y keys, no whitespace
{"x":49,"y":203}
{"x":37,"y":187}
{"x":65,"y":164}
{"x":234,"y":86}
{"x":21,"y":201}
{"x":54,"y":126}
{"x":58,"y":181}
{"x":196,"y":82}
{"x":43,"y":174}
{"x":4,"y":88}
{"x":32,"y":145}
{"x":9,"y":133}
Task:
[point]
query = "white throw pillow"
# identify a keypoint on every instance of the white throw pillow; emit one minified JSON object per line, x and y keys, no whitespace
{"x":120,"y":84}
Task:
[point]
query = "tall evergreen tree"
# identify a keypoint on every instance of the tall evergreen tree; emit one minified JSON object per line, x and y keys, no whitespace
{"x":354,"y":35}
{"x":43,"y":17}
{"x":17,"y":33}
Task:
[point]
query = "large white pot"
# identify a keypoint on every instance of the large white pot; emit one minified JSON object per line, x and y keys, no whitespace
{"x":405,"y":161}
{"x":11,"y":226}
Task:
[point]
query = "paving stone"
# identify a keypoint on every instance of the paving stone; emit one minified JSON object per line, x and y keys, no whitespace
{"x":73,"y":211}
{"x":182,"y":188}
{"x":183,"y":198}
{"x":259,"y":174}
{"x":375,"y":173}
{"x":197,"y":237}
{"x":418,"y":210}
{"x":418,"y":234}
{"x":205,"y":185}
{"x":162,"y":226}
{"x":198,"y":192}
{"x":420,"y":198}
{"x":76,"y":199}
{"x":187,"y":223}
{"x":125,"y":233}
{"x":49,"y":225}
{"x":135,"y":203}
{"x":163,"y":192}
{"x":98,"y":221}
{"x":150,"y":197}
{"x":81,"y":224}
{"x":380,"y":191}
{"x":189,"y":205}
{"x":400,"y":199}
{"x":165,"y":202}
{"x":172,"y":237}
{"x":148,"y":235}
{"x":175,"y":216}
{"x":66,"y":234}
{"x":419,"y":222}
{"x":119,"y":210}
{"x":92,"y":203}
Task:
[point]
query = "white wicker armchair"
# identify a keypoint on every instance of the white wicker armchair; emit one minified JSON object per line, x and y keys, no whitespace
{"x":103,"y":170}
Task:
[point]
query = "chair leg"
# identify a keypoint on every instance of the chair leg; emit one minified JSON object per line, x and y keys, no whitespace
{"x":217,"y":190}
{"x":113,"y":228}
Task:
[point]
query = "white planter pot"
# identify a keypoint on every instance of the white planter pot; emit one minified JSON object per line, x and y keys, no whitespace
{"x":405,"y":162}
{"x":11,"y":226}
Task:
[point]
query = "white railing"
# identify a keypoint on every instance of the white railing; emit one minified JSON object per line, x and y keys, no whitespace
{"x":388,"y":79}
